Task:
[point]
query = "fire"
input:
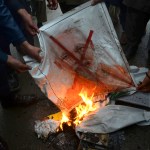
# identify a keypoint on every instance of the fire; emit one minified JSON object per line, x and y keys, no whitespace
{"x":65,"y":119}
{"x":81,"y":111}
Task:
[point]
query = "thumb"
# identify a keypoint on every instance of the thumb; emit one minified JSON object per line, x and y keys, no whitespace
{"x":35,"y":28}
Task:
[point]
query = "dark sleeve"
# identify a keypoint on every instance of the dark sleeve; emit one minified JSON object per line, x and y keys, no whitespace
{"x":3,"y":57}
{"x":9,"y":26}
{"x":14,"y":5}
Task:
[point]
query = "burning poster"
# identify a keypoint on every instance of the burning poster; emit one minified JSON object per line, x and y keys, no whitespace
{"x":80,"y":51}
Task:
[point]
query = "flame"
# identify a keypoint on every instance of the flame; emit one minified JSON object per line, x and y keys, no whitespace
{"x":81,"y":111}
{"x":65,"y":119}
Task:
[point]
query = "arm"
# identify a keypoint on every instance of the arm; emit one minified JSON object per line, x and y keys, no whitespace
{"x":16,"y":64}
{"x":10,"y":27}
{"x":28,"y":22}
{"x":15,"y":35}
{"x":19,"y":8}
{"x":12,"y":62}
{"x":14,"y":5}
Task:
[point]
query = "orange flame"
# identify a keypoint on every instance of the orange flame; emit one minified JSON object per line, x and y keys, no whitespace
{"x":65,"y":119}
{"x":81,"y":111}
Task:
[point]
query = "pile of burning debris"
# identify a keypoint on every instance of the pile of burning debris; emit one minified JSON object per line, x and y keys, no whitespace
{"x":91,"y":124}
{"x":59,"y":129}
{"x":55,"y":122}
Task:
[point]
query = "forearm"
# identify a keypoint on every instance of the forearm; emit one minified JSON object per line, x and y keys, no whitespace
{"x":24,"y":14}
{"x":8,"y":24}
{"x":18,"y":8}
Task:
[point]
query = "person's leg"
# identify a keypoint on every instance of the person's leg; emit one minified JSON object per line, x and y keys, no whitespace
{"x":65,"y":8}
{"x":10,"y":98}
{"x":4,"y":87}
{"x":41,"y":12}
{"x":122,"y":18}
{"x":136,"y":22}
{"x":113,"y":2}
{"x":33,"y":9}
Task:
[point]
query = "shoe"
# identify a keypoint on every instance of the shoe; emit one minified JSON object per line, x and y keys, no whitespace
{"x":3,"y":144}
{"x":13,"y":81}
{"x":18,"y":100}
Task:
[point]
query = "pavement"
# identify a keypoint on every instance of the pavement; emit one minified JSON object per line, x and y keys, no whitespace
{"x":17,"y":123}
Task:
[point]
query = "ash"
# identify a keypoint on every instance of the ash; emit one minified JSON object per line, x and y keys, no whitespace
{"x":63,"y":140}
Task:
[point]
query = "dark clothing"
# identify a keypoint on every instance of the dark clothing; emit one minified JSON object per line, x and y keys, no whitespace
{"x":114,"y":2}
{"x":67,"y":5}
{"x":123,"y":10}
{"x":39,"y":10}
{"x":142,"y":5}
{"x":135,"y":28}
{"x":4,"y":87}
{"x":73,"y":2}
{"x":3,"y":57}
{"x":8,"y":26}
{"x":136,"y":21}
{"x":14,"y":6}
{"x":9,"y":31}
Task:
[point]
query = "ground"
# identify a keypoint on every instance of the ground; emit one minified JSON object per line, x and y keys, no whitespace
{"x":17,"y":124}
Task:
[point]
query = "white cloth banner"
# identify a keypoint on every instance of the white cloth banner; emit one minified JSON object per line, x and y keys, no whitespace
{"x":80,"y":51}
{"x":112,"y":118}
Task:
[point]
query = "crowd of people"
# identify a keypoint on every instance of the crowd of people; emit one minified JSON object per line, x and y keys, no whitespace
{"x":18,"y":28}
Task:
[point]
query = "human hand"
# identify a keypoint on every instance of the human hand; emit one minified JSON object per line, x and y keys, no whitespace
{"x":17,"y":65}
{"x":30,"y":50}
{"x":94,"y":2}
{"x":52,"y":4}
{"x":30,"y":26}
{"x":145,"y":85}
